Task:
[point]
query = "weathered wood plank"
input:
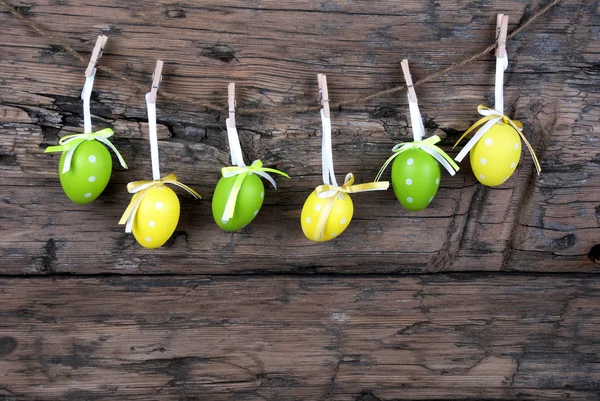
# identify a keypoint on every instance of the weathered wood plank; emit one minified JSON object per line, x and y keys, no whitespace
{"x":285,"y":338}
{"x":273,"y":50}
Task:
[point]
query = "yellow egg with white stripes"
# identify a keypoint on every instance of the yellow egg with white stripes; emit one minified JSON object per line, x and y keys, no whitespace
{"x":338,"y":216}
{"x":496,"y":155}
{"x":157,"y":217}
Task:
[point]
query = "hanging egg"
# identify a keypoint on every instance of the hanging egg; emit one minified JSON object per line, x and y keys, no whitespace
{"x":156,"y":217}
{"x":89,"y":173}
{"x":339,"y":216}
{"x":496,"y":155}
{"x":248,"y":204}
{"x":415,"y":178}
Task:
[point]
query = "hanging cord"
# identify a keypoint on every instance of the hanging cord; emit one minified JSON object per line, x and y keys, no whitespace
{"x":276,"y":109}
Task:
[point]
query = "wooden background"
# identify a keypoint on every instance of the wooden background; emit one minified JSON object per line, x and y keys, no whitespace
{"x":487,"y":294}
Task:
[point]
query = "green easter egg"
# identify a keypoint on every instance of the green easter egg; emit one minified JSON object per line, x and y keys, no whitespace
{"x":249,"y":201}
{"x":90,"y":171}
{"x":415,"y":178}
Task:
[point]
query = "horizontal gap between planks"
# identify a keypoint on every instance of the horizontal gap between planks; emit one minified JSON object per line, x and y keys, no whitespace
{"x":330,"y":275}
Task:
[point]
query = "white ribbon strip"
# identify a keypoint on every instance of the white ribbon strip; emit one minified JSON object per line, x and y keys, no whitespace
{"x":440,"y":160}
{"x":68,"y":158}
{"x":115,"y":151}
{"x":235,"y":149}
{"x":418,"y":130}
{"x":151,"y":106}
{"x":86,"y":94}
{"x":416,"y":121}
{"x":326,"y":152}
{"x":263,"y":174}
{"x":129,"y":224}
{"x":480,"y":132}
{"x":501,"y":66}
{"x":70,"y":152}
{"x":267,"y":177}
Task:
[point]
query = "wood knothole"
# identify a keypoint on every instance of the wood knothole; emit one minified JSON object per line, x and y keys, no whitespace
{"x":594,"y":254}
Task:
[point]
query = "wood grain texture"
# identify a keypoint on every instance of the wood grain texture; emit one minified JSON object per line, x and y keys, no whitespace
{"x":299,"y":338}
{"x":273,"y":51}
{"x":488,"y":294}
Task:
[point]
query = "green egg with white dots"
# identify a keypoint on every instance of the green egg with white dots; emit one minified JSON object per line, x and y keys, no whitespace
{"x":89,"y":173}
{"x":415,"y":178}
{"x":249,"y":201}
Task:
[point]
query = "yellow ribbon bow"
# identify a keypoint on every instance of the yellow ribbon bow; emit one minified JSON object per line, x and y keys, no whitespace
{"x":140,"y":189}
{"x":69,"y":143}
{"x":491,"y":117}
{"x":331,"y":192}
{"x":242,"y":171}
{"x":427,"y":145}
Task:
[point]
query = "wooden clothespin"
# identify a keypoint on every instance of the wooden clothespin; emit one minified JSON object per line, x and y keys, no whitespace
{"x":156,"y":80}
{"x":96,"y":54}
{"x":501,"y":31}
{"x":231,"y":101}
{"x":322,"y":78}
{"x":409,"y":83}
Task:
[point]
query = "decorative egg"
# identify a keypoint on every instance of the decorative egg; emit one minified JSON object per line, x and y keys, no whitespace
{"x":337,"y":221}
{"x":156,"y":217}
{"x":248,"y":204}
{"x":89,"y":173}
{"x":496,"y":155}
{"x":415,"y":178}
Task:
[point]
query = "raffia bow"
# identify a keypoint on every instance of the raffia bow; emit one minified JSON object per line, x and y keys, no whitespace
{"x":69,"y":143}
{"x":242,"y":172}
{"x":330,"y":194}
{"x":140,"y":189}
{"x":491,"y":117}
{"x":427,"y":145}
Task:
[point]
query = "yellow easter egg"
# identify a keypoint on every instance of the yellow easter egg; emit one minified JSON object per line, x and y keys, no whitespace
{"x":156,"y":217}
{"x":496,"y":155}
{"x":339,"y":216}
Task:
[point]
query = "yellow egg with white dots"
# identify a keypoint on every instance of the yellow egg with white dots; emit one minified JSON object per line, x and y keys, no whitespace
{"x":496,"y":155}
{"x":338,"y":209}
{"x":157,"y":217}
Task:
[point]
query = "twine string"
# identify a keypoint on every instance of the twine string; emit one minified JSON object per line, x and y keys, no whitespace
{"x":274,"y":109}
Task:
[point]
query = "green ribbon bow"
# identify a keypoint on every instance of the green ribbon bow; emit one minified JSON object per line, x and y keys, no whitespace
{"x":242,"y":171}
{"x":69,"y":143}
{"x":427,"y":145}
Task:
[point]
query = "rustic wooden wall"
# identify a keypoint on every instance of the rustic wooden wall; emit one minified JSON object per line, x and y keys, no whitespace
{"x":487,"y":294}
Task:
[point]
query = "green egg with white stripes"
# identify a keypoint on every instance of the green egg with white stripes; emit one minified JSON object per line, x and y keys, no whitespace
{"x":415,"y":178}
{"x":89,"y":172}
